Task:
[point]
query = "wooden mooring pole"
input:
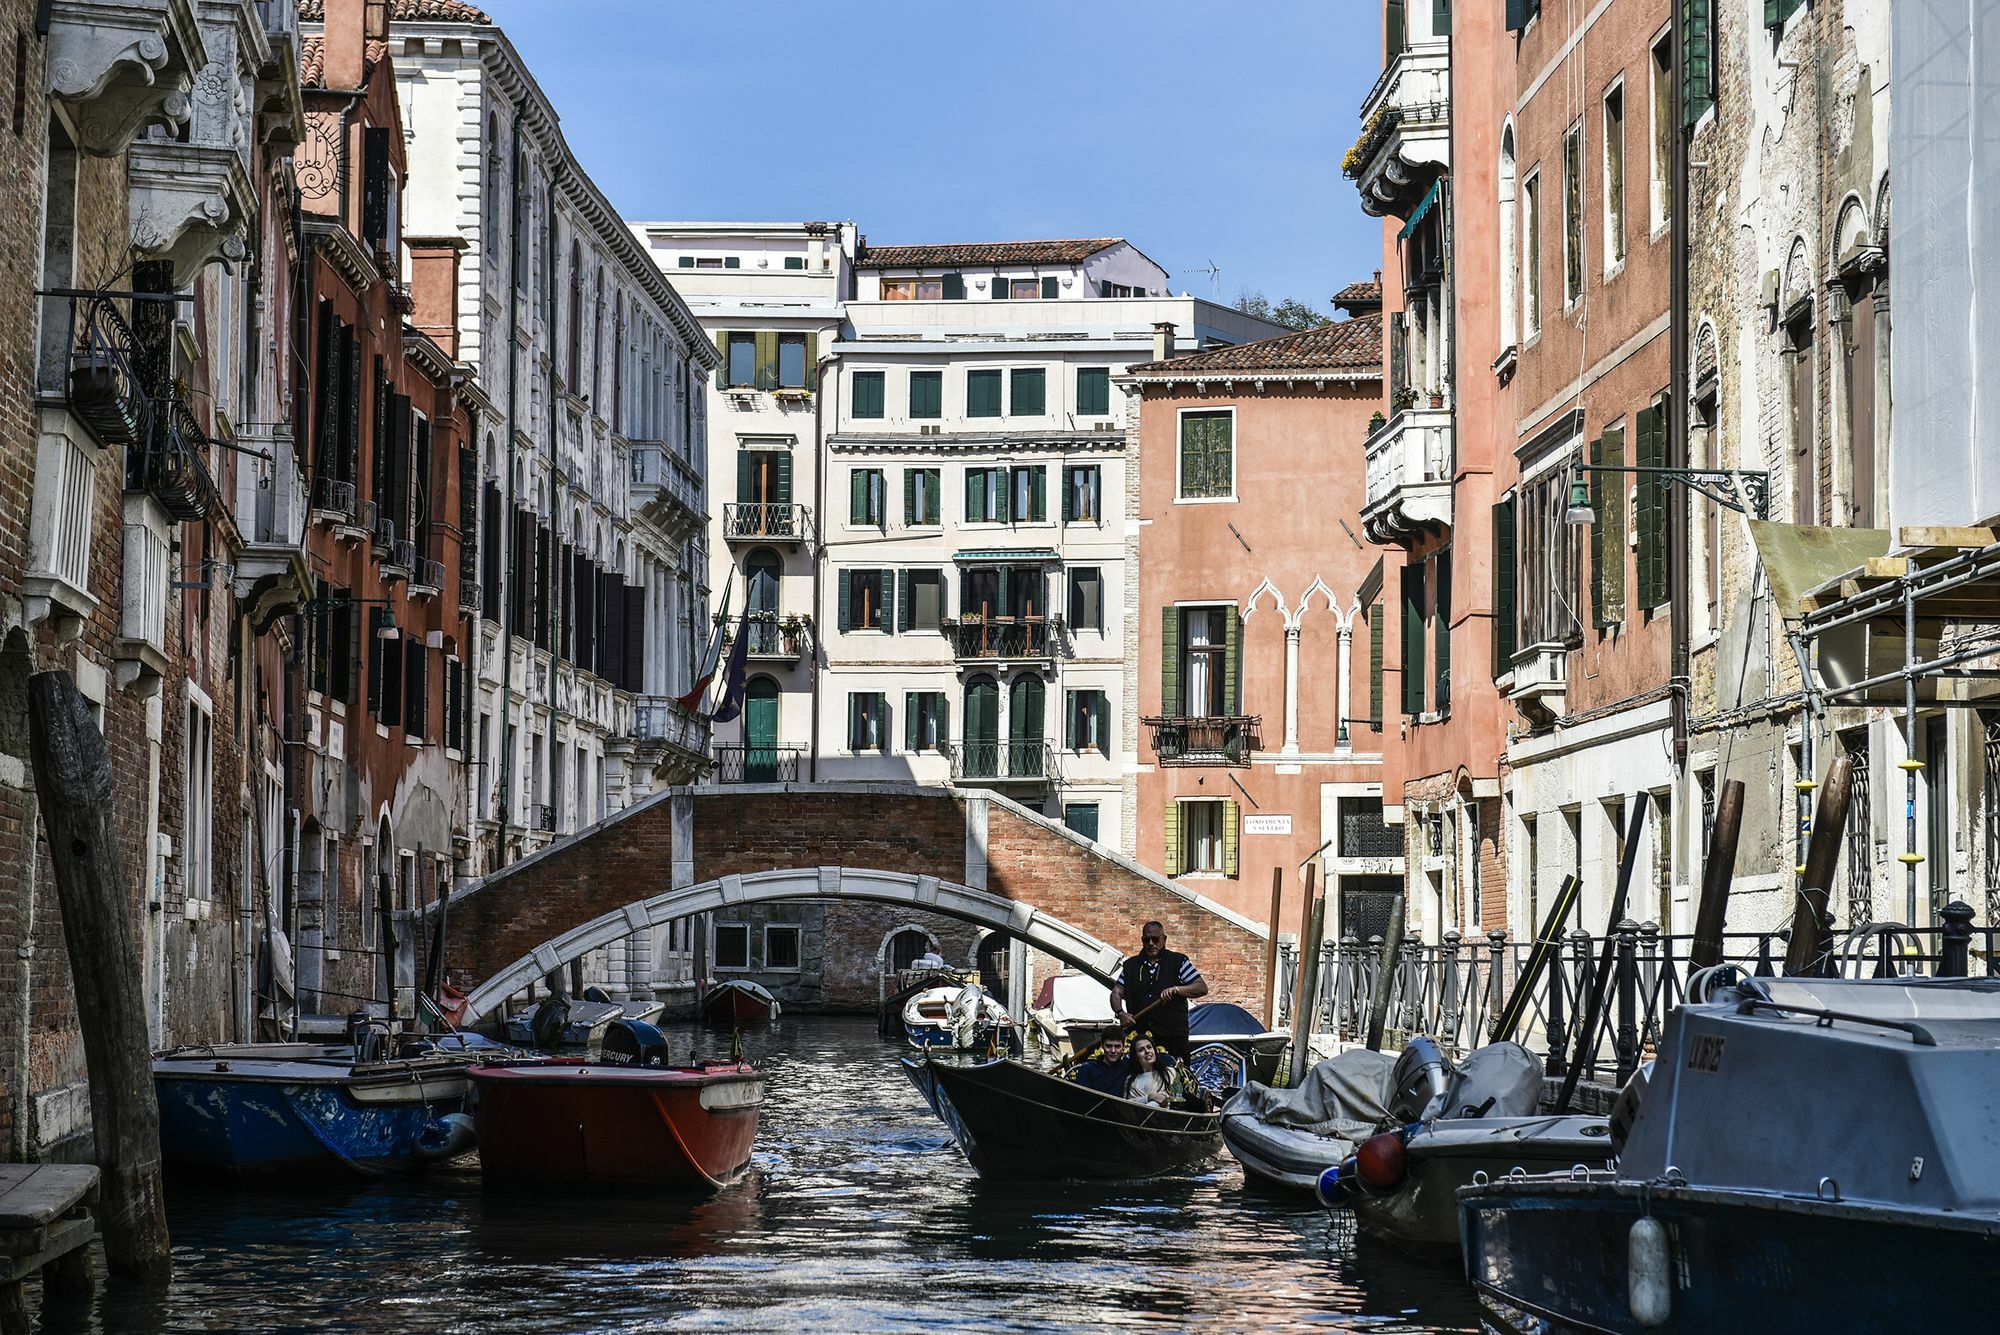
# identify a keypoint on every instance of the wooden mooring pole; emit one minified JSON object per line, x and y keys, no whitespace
{"x":1271,"y":950}
{"x":1716,"y":874}
{"x":1806,"y":952}
{"x":1305,"y":993}
{"x":73,"y":784}
{"x":1385,"y":973}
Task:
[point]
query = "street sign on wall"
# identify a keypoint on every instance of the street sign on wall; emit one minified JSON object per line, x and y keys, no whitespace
{"x":1260,"y":824}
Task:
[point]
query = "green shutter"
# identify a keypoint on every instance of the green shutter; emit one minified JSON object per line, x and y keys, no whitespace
{"x":1519,"y":12}
{"x":1441,"y":626}
{"x":1003,"y":496}
{"x":982,"y":394}
{"x":1172,"y":826}
{"x":887,"y":580}
{"x":1232,"y":662}
{"x":999,"y":292}
{"x":1029,"y":393}
{"x":767,"y":359}
{"x":926,"y":393}
{"x":857,"y":496}
{"x":1170,"y":662}
{"x":844,"y":581}
{"x":783,"y":494}
{"x":1652,"y":517}
{"x":1440,"y":18}
{"x":954,"y":287}
{"x":910,"y":497}
{"x":868,"y":393}
{"x":932,"y":497}
{"x":943,"y":716}
{"x":1068,"y":488}
{"x":1093,"y":391}
{"x":1038,"y":494}
{"x":1049,"y":289}
{"x":812,"y":361}
{"x":1698,"y":67}
{"x":1413,"y":639}
{"x":975,"y":496}
{"x":1006,"y":607}
{"x":1100,"y":704}
{"x":910,"y":720}
{"x":1072,"y":701}
{"x":853,"y":721}
{"x":746,"y":478}
{"x":902,"y":600}
{"x":722,"y":363}
{"x":1232,"y":838}
{"x":1504,"y":614}
{"x":1392,"y":29}
{"x":1375,"y":636}
{"x":1615,"y":540}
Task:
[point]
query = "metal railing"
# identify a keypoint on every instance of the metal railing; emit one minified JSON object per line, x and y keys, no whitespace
{"x":334,"y":498}
{"x":744,"y":521}
{"x":401,"y":555}
{"x":470,"y":596}
{"x":1003,"y":761}
{"x":1454,"y":991}
{"x":382,"y":530}
{"x":757,"y":764}
{"x":542,"y":816}
{"x":1221,"y":739}
{"x":771,"y":638}
{"x":427,"y":576}
{"x":655,"y":467}
{"x":102,"y":388}
{"x":977,"y":637}
{"x":170,"y":468}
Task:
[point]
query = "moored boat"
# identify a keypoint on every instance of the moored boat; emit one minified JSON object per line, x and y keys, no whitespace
{"x":1229,"y":1047}
{"x":628,"y":1120}
{"x":1016,"y":1123}
{"x":302,"y":1108}
{"x":1809,"y":1154}
{"x":738,"y":1002}
{"x":562,"y":1022}
{"x":964,"y":1018}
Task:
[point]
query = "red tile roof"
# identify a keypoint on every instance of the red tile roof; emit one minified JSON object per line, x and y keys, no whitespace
{"x":982,"y":253}
{"x":1347,"y":346}
{"x":312,"y":60}
{"x":1357,"y":293}
{"x":409,"y":11}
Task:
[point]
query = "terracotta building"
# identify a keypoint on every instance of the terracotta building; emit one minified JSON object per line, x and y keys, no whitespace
{"x":383,"y":821}
{"x":1261,"y":625}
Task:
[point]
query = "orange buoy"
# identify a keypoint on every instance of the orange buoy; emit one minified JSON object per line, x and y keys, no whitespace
{"x":1379,"y":1160}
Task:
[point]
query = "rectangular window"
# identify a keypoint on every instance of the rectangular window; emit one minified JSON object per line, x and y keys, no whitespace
{"x":1081,"y":499}
{"x":795,"y":262}
{"x":867,"y":721}
{"x":862,"y":593}
{"x":1208,"y":455}
{"x":921,"y":487}
{"x":865,"y":491}
{"x":732,"y":945}
{"x":1027,"y":392}
{"x":1413,"y":639}
{"x":926,"y":394}
{"x":781,"y":946}
{"x":913,"y":289}
{"x":1614,"y":178}
{"x":1081,"y":819}
{"x":792,"y":369}
{"x":1661,"y":186}
{"x":1573,"y":216}
{"x":1087,"y":725}
{"x":1031,"y":493}
{"x":1093,"y":391}
{"x":1531,"y":254}
{"x":922,"y":600}
{"x":1777,"y":11}
{"x":1607,"y":534}
{"x":1207,"y":837}
{"x":1548,"y":553}
{"x":742,"y":364}
{"x":982,"y":394}
{"x":1027,"y":289}
{"x":869,"y":399}
{"x":1654,"y":513}
{"x":197,"y":814}
{"x":986,"y":495}
{"x":1208,"y":659}
{"x":1504,"y":614}
{"x":926,"y":724}
{"x":1086,"y":598}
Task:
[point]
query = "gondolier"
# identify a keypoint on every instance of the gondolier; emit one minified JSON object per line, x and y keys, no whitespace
{"x":1157,"y":974}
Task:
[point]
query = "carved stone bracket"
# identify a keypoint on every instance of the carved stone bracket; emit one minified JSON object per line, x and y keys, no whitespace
{"x":190,"y":205}
{"x":121,"y":65}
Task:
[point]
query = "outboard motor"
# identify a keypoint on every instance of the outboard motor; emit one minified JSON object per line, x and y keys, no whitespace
{"x":597,"y":994}
{"x":1420,"y":1082}
{"x":551,"y":1018}
{"x":634,"y":1043}
{"x":368,"y":1037}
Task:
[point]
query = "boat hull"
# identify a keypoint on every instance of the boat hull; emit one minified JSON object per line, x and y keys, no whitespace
{"x":1014,"y":1123}
{"x":737,"y":1006}
{"x":1452,"y":1154}
{"x":687,"y":1127}
{"x":288,"y":1118}
{"x":1557,"y":1250}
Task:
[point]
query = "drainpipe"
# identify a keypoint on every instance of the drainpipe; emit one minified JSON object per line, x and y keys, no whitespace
{"x":506,"y":757}
{"x":818,"y":554}
{"x":1677,"y":397}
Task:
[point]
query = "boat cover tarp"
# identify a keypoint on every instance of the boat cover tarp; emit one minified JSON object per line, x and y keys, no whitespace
{"x":1342,"y":1096}
{"x":1507,"y":1073}
{"x":1219,"y":1019}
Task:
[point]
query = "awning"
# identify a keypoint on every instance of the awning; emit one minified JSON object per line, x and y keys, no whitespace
{"x":996,"y":556}
{"x":1798,"y":558}
{"x":1423,"y":207}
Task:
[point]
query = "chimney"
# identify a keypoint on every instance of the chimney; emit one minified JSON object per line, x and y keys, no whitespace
{"x":348,"y":26}
{"x":434,"y":288}
{"x":1163,"y":340}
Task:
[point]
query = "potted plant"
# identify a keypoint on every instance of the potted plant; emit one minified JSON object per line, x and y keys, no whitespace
{"x":1403,"y":399}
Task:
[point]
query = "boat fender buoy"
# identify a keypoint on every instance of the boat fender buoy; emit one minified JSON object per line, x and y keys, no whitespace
{"x":1380,"y":1161}
{"x":1647,"y":1288}
{"x":1331,"y":1185}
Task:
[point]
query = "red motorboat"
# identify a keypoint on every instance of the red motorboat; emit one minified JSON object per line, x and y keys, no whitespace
{"x":617,"y":1121}
{"x":738,"y":1002}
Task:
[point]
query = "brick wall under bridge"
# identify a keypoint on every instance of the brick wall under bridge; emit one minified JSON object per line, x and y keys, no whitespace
{"x":976,"y":857}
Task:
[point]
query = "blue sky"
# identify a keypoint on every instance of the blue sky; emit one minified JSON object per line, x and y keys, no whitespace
{"x":1205,"y":133}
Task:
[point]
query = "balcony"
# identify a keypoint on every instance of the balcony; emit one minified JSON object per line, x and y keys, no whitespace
{"x":1405,"y":142}
{"x":170,"y":468}
{"x":542,"y":816}
{"x":756,"y":764}
{"x":772,"y":525}
{"x":272,"y":577}
{"x":121,"y":65}
{"x":1541,"y":682}
{"x":399,"y":561}
{"x":778,"y":640}
{"x":667,"y":490}
{"x":102,"y":381}
{"x":663,"y":719}
{"x":1004,"y":639}
{"x":1409,"y":466}
{"x":470,"y":597}
{"x":1218,"y":739}
{"x":1003,"y":764}
{"x":426,"y":578}
{"x":381,"y":530}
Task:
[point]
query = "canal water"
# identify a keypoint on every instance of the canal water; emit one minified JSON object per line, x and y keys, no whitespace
{"x":860,"y":1215}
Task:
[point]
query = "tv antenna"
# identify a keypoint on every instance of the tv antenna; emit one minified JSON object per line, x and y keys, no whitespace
{"x":1214,"y":272}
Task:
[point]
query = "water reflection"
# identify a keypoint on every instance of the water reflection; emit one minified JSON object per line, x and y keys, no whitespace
{"x":858,"y":1215}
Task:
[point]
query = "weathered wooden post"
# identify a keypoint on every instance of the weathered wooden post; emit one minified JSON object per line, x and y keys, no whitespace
{"x":73,"y":784}
{"x":1806,"y":954}
{"x":1716,"y":875}
{"x":1306,"y":991}
{"x":1271,"y":950}
{"x":1955,"y":955}
{"x":1385,"y":974}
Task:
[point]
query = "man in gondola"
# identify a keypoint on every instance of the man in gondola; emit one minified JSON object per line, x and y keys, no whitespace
{"x":1108,"y":1071}
{"x":1162,"y":976}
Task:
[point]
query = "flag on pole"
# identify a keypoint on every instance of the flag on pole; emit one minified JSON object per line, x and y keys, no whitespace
{"x":692,"y":700}
{"x":733,"y":676}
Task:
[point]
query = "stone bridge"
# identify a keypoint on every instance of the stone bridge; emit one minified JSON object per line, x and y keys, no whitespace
{"x":976,"y":857}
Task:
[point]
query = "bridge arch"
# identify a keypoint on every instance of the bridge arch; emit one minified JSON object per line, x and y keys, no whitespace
{"x":1040,"y":930}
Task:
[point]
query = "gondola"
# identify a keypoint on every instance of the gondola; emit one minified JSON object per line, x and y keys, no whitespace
{"x":1018,"y":1124}
{"x":739,"y":1002}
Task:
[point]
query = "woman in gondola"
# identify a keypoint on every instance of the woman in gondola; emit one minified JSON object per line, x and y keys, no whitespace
{"x":1156,"y":1076}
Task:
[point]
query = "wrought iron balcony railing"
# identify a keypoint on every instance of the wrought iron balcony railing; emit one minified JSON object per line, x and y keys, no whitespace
{"x":427,"y":577}
{"x":103,"y":381}
{"x":384,"y":533}
{"x":470,"y":597}
{"x":400,"y":558}
{"x":1221,"y":739}
{"x":542,"y":816}
{"x":1004,"y":637}
{"x":170,"y":468}
{"x":744,"y":521}
{"x":757,"y":764}
{"x":1002,"y":762}
{"x":333,"y":500}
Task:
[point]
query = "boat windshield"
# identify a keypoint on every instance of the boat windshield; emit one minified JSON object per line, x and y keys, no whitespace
{"x":1969,"y":999}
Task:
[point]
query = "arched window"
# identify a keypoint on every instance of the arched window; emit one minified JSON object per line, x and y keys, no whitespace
{"x":496,"y":193}
{"x":980,"y":750}
{"x":1025,"y":751}
{"x":575,"y":317}
{"x":906,"y":948}
{"x":1510,"y":261}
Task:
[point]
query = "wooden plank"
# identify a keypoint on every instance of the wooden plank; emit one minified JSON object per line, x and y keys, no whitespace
{"x":1885,"y":567}
{"x":64,"y":1236}
{"x":1946,"y":536}
{"x":44,"y":1192}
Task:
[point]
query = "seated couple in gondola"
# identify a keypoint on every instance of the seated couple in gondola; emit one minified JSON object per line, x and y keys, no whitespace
{"x":1148,"y":1074}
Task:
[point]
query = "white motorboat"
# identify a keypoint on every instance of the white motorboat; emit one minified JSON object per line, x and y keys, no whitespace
{"x":965,"y":1018}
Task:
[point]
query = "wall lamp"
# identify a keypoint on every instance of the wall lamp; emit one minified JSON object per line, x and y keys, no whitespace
{"x":387,"y":630}
{"x":1743,"y":491}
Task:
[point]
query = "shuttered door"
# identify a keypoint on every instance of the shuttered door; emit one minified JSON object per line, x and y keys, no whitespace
{"x":1503,"y":588}
{"x":1232,"y":662}
{"x":1652,"y":517}
{"x":746,"y":479}
{"x":1376,"y":612}
{"x":1232,"y":838}
{"x":1170,"y":824}
{"x":635,"y":638}
{"x":1413,"y":639}
{"x":1170,"y":662}
{"x":326,"y":429}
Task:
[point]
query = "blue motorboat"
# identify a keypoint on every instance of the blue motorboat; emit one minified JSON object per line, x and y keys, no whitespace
{"x":293,"y":1108}
{"x":1808,"y":1154}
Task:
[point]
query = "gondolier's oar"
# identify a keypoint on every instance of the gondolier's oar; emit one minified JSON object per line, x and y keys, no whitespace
{"x":1091,"y":1051}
